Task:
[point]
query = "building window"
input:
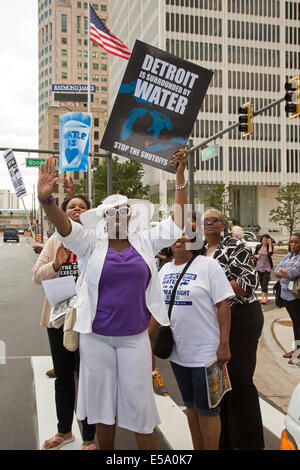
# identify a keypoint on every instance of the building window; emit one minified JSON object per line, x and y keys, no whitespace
{"x":63,"y":23}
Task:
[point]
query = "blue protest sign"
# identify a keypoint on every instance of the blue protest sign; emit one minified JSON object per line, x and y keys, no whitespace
{"x":75,"y":129}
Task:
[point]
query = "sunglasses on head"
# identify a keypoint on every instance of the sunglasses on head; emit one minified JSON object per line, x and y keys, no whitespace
{"x":112,"y":212}
{"x":213,"y":220}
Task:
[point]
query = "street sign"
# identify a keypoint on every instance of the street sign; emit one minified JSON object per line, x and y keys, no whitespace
{"x":36,"y":162}
{"x":209,"y":152}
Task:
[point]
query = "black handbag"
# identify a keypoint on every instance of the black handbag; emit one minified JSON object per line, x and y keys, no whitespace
{"x":163,"y":340}
{"x":278,"y":299}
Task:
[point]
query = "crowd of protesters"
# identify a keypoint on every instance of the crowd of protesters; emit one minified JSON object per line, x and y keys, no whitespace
{"x":125,"y":277}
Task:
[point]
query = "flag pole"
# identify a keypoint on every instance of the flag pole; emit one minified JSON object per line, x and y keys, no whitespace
{"x":89,"y":180}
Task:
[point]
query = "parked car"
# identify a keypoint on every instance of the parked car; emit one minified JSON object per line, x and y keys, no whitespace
{"x":290,"y":437}
{"x":21,"y":231}
{"x":10,"y":234}
{"x":282,"y":242}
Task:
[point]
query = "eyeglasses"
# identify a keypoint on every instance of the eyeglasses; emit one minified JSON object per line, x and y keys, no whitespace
{"x":213,"y":220}
{"x":112,"y":212}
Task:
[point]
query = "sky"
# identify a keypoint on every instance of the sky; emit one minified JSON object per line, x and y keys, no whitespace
{"x":19,"y":87}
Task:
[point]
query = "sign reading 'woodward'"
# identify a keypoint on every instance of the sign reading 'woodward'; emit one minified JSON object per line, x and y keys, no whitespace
{"x":156,"y":107}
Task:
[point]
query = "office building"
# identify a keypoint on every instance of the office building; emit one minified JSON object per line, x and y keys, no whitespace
{"x":8,"y":199}
{"x":253,"y":47}
{"x":63,"y":60}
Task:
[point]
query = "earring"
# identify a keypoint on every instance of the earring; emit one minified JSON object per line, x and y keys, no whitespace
{"x":222,"y":233}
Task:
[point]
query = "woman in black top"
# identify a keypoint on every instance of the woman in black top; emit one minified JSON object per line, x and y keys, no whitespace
{"x":240,"y":411}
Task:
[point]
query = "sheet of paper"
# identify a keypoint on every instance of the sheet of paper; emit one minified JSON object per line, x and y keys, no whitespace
{"x":59,"y":289}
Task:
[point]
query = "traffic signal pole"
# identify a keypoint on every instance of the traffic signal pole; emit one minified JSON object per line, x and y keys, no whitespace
{"x":205,"y":142}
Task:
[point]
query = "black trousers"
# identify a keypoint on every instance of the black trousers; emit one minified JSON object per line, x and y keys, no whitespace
{"x":264,"y":279}
{"x":240,"y":411}
{"x":293,"y":308}
{"x":66,"y":364}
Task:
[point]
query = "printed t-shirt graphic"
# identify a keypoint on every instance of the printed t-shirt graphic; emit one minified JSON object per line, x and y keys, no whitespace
{"x":70,"y":267}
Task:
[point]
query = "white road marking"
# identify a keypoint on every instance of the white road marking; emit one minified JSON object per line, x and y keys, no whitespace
{"x":174,"y":424}
{"x":45,"y":404}
{"x":272,"y":419}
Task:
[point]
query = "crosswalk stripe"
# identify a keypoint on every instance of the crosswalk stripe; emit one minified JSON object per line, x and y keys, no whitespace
{"x":174,"y":424}
{"x":45,"y":403}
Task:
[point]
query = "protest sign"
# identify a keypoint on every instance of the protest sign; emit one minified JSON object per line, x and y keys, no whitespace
{"x":158,"y":102}
{"x":15,"y":174}
{"x":75,"y":129}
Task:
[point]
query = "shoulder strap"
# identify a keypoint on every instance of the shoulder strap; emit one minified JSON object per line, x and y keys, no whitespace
{"x":177,"y":284}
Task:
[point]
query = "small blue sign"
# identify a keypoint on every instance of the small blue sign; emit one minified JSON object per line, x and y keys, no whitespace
{"x":75,"y":129}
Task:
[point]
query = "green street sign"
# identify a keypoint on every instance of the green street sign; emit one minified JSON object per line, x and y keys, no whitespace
{"x":36,"y":162}
{"x":209,"y":152}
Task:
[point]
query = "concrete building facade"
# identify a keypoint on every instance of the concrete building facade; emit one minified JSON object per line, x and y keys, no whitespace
{"x":253,"y":48}
{"x":8,"y":199}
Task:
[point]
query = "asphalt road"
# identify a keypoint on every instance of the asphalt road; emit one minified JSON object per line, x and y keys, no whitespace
{"x":20,"y":331}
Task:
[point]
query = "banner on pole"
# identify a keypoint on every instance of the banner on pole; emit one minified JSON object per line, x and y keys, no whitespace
{"x":15,"y":174}
{"x":157,"y":105}
{"x":75,"y":129}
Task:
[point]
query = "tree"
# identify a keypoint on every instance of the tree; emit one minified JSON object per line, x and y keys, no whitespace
{"x":126,"y":179}
{"x":219,"y":198}
{"x":287,"y":213}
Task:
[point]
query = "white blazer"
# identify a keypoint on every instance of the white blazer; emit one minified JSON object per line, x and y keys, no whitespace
{"x":91,"y":248}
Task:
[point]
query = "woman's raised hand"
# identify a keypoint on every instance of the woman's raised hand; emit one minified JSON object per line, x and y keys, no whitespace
{"x":47,"y":179}
{"x":180,"y":158}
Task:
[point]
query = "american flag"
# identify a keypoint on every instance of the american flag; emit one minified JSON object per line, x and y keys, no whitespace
{"x":101,"y":35}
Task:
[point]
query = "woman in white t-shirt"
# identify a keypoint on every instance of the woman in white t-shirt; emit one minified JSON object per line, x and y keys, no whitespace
{"x":200,"y":322}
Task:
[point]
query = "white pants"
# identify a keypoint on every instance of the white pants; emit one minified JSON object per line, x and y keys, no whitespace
{"x":115,"y":379}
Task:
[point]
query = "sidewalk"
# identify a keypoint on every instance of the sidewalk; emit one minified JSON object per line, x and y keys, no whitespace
{"x":274,"y":377}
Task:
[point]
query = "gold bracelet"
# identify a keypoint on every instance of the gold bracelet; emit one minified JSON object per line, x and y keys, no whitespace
{"x":180,"y":186}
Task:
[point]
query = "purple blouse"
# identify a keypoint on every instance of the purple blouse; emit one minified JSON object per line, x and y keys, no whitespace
{"x":121,"y":308}
{"x":263,"y":263}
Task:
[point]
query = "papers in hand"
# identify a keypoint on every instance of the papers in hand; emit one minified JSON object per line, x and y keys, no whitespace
{"x":58,"y":313}
{"x":217,"y":382}
{"x":59,"y":289}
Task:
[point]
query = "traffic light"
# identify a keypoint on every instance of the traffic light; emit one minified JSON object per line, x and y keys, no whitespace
{"x":292,"y":97}
{"x":11,"y":214}
{"x":245,"y":119}
{"x":0,"y":213}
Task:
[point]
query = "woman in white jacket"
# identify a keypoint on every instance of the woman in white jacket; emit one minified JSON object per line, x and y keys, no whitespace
{"x":118,"y":289}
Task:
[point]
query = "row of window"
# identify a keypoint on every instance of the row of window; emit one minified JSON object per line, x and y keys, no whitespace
{"x":269,"y":8}
{"x":95,"y":66}
{"x":46,"y":33}
{"x":64,"y":23}
{"x":262,"y":132}
{"x":45,"y":15}
{"x":292,"y":35}
{"x":254,"y":81}
{"x":254,"y":56}
{"x":292,"y":161}
{"x":292,"y":133}
{"x":205,"y":128}
{"x":44,"y":4}
{"x":206,"y":4}
{"x":292,"y":10}
{"x":195,"y":50}
{"x":253,"y":31}
{"x":292,"y":60}
{"x":212,"y":104}
{"x":254,"y":159}
{"x":194,"y":24}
